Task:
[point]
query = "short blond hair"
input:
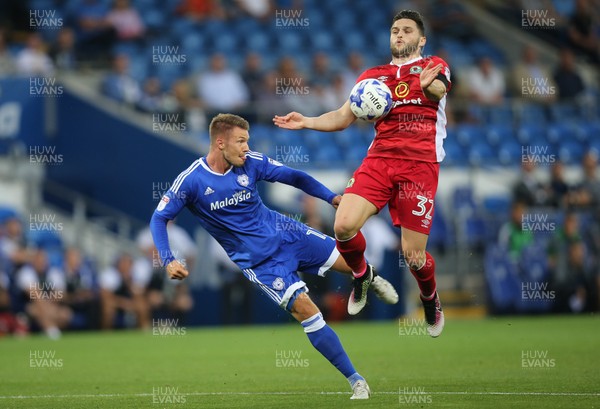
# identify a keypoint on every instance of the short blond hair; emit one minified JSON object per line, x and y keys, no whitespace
{"x":224,"y":123}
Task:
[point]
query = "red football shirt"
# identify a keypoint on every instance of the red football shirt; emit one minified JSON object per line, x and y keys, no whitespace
{"x":416,"y":126}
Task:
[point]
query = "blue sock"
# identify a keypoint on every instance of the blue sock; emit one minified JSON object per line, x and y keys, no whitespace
{"x":325,"y":340}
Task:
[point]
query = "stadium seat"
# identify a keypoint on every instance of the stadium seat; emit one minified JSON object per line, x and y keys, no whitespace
{"x":502,"y":281}
{"x":559,"y":131}
{"x":482,"y":154}
{"x":510,"y":153}
{"x":561,"y":112}
{"x":500,"y":133}
{"x":468,"y":134}
{"x":532,"y":114}
{"x":529,"y":132}
{"x":571,"y":151}
{"x":456,"y":155}
{"x":257,"y":42}
{"x":322,"y":41}
{"x":290,"y":42}
{"x":502,"y":114}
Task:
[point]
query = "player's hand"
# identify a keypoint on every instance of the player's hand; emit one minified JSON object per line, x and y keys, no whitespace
{"x":176,"y":270}
{"x":293,"y":120}
{"x":429,"y":74}
{"x":336,"y":201}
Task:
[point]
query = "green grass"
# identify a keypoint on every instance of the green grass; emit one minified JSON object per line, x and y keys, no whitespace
{"x":211,"y":368}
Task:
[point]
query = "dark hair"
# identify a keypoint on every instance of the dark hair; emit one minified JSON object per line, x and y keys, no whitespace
{"x":411,"y":15}
{"x":223,"y":123}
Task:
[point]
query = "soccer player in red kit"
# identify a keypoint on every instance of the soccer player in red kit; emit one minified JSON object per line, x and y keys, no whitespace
{"x":402,"y":164}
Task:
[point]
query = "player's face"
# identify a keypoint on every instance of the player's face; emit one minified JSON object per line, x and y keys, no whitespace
{"x":405,"y":39}
{"x":236,"y":146}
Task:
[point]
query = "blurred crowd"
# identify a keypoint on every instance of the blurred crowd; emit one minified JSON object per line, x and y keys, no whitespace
{"x":561,"y":222}
{"x":47,"y":286}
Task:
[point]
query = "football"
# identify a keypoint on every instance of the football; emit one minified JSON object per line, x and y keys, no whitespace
{"x":370,"y":100}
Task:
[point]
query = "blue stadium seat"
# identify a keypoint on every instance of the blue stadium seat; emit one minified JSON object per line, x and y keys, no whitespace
{"x":257,"y":41}
{"x":322,"y":41}
{"x":500,"y":133}
{"x":7,"y":212}
{"x":561,"y":112}
{"x":510,"y":153}
{"x":456,"y":155}
{"x":570,"y":152}
{"x":502,"y":280}
{"x":290,"y":41}
{"x":482,"y":154}
{"x":529,"y":132}
{"x":154,"y":19}
{"x":532,"y":114}
{"x":502,"y":114}
{"x":558,"y":132}
{"x":468,"y":134}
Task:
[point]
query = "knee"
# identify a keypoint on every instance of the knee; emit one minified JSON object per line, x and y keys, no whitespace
{"x":303,"y":308}
{"x":345,"y":229}
{"x":414,"y":257}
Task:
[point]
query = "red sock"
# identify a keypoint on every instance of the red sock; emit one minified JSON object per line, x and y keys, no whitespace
{"x":353,"y":251}
{"x":426,"y":277}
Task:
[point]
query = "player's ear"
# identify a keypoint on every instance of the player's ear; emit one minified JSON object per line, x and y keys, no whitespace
{"x":422,"y":41}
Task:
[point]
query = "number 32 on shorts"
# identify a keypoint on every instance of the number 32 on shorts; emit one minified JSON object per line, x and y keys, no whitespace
{"x":424,"y":202}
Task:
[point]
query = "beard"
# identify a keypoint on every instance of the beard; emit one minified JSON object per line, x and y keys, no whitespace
{"x":407,"y":50}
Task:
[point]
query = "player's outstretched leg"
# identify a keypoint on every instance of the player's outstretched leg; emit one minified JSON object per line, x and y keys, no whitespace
{"x":326,"y":341}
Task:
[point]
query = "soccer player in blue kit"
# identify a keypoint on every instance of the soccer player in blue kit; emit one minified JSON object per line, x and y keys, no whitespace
{"x":220,"y":189}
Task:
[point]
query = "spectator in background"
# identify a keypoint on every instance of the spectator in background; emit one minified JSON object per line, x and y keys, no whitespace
{"x":43,"y":288}
{"x":119,"y":292}
{"x":63,"y":50}
{"x":152,"y":99}
{"x":94,"y":32}
{"x":199,"y":10}
{"x":222,"y":89}
{"x":531,"y":80}
{"x":119,"y":84}
{"x":449,"y":18}
{"x":253,"y":75}
{"x":190,"y":111}
{"x":582,"y":31}
{"x":321,"y":73}
{"x":586,"y":195}
{"x":568,"y":81}
{"x":354,"y":66}
{"x":334,"y":95}
{"x":10,"y":323}
{"x":486,"y":83}
{"x":162,"y":294}
{"x":13,"y":244}
{"x":528,"y":189}
{"x":126,"y":21}
{"x":81,"y":288}
{"x":7,"y":62}
{"x":381,"y":238}
{"x":269,"y":98}
{"x":33,"y":60}
{"x":558,"y":189}
{"x":512,"y":237}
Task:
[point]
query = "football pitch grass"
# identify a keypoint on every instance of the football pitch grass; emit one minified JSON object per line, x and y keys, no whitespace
{"x":507,"y":362}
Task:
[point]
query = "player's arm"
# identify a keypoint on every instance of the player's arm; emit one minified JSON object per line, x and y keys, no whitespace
{"x":167,"y":210}
{"x":276,"y":172}
{"x":433,"y":83}
{"x":330,"y":121}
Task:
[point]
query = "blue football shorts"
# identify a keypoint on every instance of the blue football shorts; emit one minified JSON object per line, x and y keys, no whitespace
{"x":302,"y":250}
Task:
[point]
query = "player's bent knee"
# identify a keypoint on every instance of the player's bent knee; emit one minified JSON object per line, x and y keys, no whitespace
{"x":414,"y":257}
{"x":345,"y":229}
{"x":303,"y":307}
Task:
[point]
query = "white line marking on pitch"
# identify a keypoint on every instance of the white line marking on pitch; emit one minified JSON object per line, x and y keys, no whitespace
{"x":119,"y":395}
